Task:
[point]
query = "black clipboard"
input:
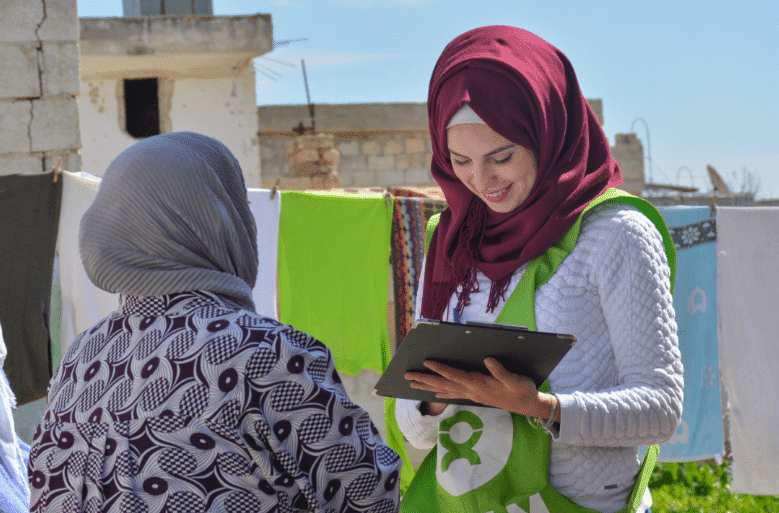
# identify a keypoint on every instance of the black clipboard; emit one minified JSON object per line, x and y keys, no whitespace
{"x":465,"y":346}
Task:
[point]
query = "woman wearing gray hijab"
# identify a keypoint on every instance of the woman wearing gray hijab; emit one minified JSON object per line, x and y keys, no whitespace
{"x":184,"y":399}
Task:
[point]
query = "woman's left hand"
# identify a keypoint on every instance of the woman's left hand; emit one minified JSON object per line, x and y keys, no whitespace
{"x":500,"y":388}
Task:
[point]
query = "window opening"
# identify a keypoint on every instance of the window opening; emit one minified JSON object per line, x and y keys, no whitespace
{"x":142,"y":107}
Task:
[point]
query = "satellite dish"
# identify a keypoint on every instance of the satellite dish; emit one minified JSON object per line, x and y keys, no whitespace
{"x":720,"y":187}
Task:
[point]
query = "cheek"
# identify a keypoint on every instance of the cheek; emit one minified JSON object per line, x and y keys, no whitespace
{"x":461,"y":175}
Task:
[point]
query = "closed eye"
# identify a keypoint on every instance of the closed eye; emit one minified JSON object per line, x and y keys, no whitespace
{"x":459,"y":159}
{"x":504,"y":160}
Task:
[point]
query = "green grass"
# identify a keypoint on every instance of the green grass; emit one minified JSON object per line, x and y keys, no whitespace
{"x":702,"y":488}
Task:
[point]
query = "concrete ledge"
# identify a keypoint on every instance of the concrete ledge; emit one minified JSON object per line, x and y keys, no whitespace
{"x":172,"y":46}
{"x":147,"y":35}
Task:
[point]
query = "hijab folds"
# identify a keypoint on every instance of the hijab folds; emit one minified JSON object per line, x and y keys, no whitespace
{"x":172,"y":215}
{"x":525,"y":90}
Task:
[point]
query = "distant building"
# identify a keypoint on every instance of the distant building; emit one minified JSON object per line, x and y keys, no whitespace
{"x":388,"y":144}
{"x":169,"y":65}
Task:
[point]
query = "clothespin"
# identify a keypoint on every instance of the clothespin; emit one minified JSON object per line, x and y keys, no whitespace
{"x":57,"y":169}
{"x":388,"y":197}
{"x":275,"y":189}
{"x":714,"y":205}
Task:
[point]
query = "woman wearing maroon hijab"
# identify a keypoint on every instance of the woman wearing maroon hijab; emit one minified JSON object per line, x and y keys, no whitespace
{"x":536,"y":234}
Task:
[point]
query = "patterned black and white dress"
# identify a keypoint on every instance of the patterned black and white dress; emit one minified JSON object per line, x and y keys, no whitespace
{"x":180,"y":404}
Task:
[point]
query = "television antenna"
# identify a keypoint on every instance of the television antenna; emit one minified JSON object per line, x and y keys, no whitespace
{"x":301,"y":128}
{"x":267,"y":69}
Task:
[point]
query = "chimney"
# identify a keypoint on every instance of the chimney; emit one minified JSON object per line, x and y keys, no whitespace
{"x":167,"y":7}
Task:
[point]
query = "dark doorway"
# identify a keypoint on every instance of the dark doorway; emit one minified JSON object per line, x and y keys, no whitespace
{"x":142,"y":107}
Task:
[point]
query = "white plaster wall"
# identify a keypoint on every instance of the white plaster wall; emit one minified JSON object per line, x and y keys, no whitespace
{"x":102,"y":138}
{"x":225,"y":109}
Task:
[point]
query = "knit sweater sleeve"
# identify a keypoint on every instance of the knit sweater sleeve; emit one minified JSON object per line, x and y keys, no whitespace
{"x":629,"y":269}
{"x":420,"y":430}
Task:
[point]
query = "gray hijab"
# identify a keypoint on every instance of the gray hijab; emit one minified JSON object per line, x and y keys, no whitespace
{"x":172,"y":215}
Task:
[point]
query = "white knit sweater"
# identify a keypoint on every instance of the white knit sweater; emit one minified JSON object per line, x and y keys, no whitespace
{"x":621,"y":385}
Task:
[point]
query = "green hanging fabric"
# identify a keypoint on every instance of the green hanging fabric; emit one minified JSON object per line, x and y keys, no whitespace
{"x":515,"y":469}
{"x":333,"y":273}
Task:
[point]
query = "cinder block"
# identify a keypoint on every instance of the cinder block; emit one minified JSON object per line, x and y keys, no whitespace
{"x":19,"y":19}
{"x":54,"y":124}
{"x":61,"y":23}
{"x":371,"y":148}
{"x":419,"y":176}
{"x":381,"y":163}
{"x":408,"y":161}
{"x":353,"y":164}
{"x":393,"y":148}
{"x":21,"y":164}
{"x":304,"y":156}
{"x":316,"y":141}
{"x":331,"y":157}
{"x":14,"y":120}
{"x":60,"y":69}
{"x":19,"y":76}
{"x":349,"y":149}
{"x":415,"y":145}
{"x":390,"y":178}
{"x":364,"y":179}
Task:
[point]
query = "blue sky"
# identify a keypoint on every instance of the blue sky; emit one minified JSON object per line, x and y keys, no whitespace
{"x":703,"y":75}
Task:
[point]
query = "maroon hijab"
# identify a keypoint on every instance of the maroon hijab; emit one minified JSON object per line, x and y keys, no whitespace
{"x":525,"y":90}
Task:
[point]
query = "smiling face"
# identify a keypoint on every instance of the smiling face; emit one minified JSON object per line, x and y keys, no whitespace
{"x":498,"y":171}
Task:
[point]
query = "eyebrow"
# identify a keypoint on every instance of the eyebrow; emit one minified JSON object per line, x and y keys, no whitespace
{"x":493,"y":152}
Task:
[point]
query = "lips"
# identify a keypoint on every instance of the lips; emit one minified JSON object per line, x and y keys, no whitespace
{"x":498,"y":195}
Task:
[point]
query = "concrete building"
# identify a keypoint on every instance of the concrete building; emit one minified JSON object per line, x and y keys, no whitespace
{"x":39,"y":119}
{"x":186,"y":70}
{"x":388,"y":144}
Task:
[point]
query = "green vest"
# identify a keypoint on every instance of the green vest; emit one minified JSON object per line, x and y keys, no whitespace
{"x":490,"y":460}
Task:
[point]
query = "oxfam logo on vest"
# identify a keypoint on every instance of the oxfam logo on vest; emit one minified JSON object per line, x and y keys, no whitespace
{"x":473,"y":446}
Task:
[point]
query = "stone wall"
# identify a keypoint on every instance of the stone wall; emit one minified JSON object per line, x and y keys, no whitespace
{"x":388,"y":145}
{"x":39,"y":82}
{"x":380,"y":144}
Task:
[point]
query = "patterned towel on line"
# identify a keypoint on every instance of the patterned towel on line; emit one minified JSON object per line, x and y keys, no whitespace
{"x":409,"y":220}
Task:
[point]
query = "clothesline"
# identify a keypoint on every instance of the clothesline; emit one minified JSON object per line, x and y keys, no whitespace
{"x":336,"y":245}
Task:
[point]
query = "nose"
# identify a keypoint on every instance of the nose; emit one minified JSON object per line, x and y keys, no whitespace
{"x":482,"y":175}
